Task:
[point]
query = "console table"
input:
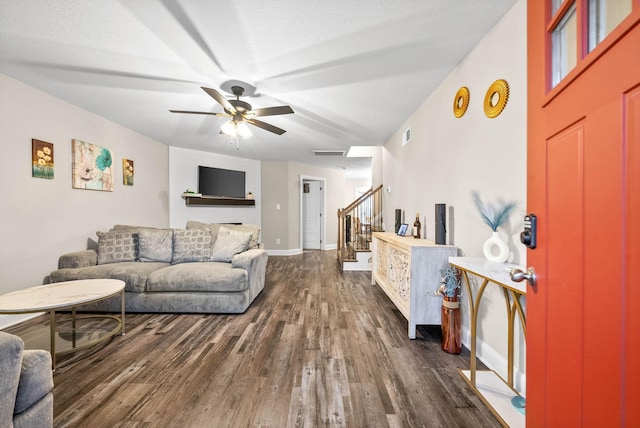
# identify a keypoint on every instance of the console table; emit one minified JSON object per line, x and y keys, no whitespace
{"x":408,"y":270}
{"x":492,"y":389}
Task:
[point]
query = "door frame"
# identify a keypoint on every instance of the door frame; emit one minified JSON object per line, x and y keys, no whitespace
{"x":323,"y":221}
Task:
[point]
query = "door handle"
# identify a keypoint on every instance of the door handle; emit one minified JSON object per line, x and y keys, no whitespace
{"x":518,"y":275}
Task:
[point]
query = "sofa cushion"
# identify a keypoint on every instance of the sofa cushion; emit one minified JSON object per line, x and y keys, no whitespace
{"x":191,"y":245}
{"x":115,"y":247}
{"x":38,"y":415}
{"x":11,"y":348}
{"x":253,"y":228}
{"x":35,"y":379}
{"x":130,"y":228}
{"x":155,"y":245}
{"x":228,"y":243}
{"x":192,"y":224}
{"x":198,"y":276}
{"x":134,"y":274}
{"x":78,"y":259}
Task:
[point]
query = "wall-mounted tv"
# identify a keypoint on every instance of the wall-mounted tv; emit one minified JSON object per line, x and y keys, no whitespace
{"x":221,"y":182}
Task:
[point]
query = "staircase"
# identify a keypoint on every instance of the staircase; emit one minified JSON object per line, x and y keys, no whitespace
{"x":356,"y":223}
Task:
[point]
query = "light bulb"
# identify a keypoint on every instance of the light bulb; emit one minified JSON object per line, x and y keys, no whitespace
{"x":229,"y":128}
{"x":243,"y":129}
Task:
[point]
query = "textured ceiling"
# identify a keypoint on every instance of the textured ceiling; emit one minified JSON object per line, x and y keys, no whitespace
{"x":353,"y":71}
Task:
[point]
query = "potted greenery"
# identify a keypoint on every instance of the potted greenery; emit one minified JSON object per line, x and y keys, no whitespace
{"x":450,"y":291}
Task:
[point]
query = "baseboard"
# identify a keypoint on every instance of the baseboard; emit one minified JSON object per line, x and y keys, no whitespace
{"x":330,"y":247}
{"x":9,"y":320}
{"x":495,"y":361}
{"x":291,"y":252}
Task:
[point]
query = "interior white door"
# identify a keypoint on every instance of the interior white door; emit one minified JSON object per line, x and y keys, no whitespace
{"x":312,"y":215}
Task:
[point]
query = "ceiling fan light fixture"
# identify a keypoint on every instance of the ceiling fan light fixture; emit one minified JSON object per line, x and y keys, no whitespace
{"x":243,"y":129}
{"x":229,"y":128}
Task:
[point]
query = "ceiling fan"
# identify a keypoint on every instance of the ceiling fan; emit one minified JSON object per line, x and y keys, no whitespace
{"x":241,"y":113}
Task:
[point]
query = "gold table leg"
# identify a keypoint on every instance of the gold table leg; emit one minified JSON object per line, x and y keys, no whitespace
{"x":52,"y":338}
{"x":474,"y":328}
{"x":122,"y":312}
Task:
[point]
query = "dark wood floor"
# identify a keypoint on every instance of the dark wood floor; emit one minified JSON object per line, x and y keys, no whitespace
{"x":317,"y":348}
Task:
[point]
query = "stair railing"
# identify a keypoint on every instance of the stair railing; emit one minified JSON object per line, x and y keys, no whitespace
{"x":357,"y":222}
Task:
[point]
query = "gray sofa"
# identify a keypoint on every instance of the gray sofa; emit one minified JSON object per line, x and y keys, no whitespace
{"x":25,"y":390}
{"x":205,"y":268}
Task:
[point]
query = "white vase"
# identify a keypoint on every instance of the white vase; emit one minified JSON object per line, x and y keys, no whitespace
{"x":495,"y":249}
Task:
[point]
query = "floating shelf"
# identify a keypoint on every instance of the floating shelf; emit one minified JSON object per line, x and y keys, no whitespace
{"x":193,"y":201}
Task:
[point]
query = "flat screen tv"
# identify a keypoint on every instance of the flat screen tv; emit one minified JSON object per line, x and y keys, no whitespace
{"x":221,"y":182}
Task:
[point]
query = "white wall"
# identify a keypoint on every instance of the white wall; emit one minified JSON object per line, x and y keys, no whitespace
{"x":183,"y":174}
{"x":281,"y":185}
{"x":275,"y":210}
{"x":353,"y":184}
{"x":448,"y":158}
{"x":335,"y":180}
{"x":377,"y":168}
{"x":41,"y":219}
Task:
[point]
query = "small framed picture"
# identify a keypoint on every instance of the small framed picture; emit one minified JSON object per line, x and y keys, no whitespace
{"x":403,"y":229}
{"x":127,"y":172}
{"x":41,"y":159}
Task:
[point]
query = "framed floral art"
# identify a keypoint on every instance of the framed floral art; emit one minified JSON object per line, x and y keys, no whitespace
{"x":41,"y":159}
{"x":92,"y":166}
{"x":127,"y":172}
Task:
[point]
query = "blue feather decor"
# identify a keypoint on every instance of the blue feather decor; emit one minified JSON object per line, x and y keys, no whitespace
{"x":450,"y":283}
{"x":493,"y":216}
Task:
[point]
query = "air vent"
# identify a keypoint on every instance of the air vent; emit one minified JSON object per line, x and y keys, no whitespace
{"x":329,"y":152}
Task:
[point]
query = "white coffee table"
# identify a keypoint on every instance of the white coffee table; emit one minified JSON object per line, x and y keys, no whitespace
{"x":68,"y":295}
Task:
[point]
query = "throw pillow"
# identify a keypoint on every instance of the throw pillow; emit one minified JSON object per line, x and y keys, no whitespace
{"x":229,"y":243}
{"x":124,"y":228}
{"x":192,"y":245}
{"x":155,"y":245}
{"x":115,"y":247}
{"x":213,"y":228}
{"x":253,"y":228}
{"x":192,"y":224}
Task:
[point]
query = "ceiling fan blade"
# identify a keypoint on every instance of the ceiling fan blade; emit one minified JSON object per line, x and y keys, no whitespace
{"x":271,"y":111}
{"x":220,"y":99}
{"x":200,"y":112}
{"x":266,"y":126}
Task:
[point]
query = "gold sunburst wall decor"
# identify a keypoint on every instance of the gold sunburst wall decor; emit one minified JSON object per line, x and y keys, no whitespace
{"x":461,"y":102}
{"x":496,"y":98}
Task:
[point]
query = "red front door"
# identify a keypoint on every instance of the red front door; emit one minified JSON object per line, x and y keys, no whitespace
{"x":583,"y":331}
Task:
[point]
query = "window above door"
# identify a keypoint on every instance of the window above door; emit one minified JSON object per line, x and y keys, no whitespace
{"x":577,"y":27}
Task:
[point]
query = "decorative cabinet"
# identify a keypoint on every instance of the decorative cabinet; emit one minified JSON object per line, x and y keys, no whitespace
{"x":408,"y":270}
